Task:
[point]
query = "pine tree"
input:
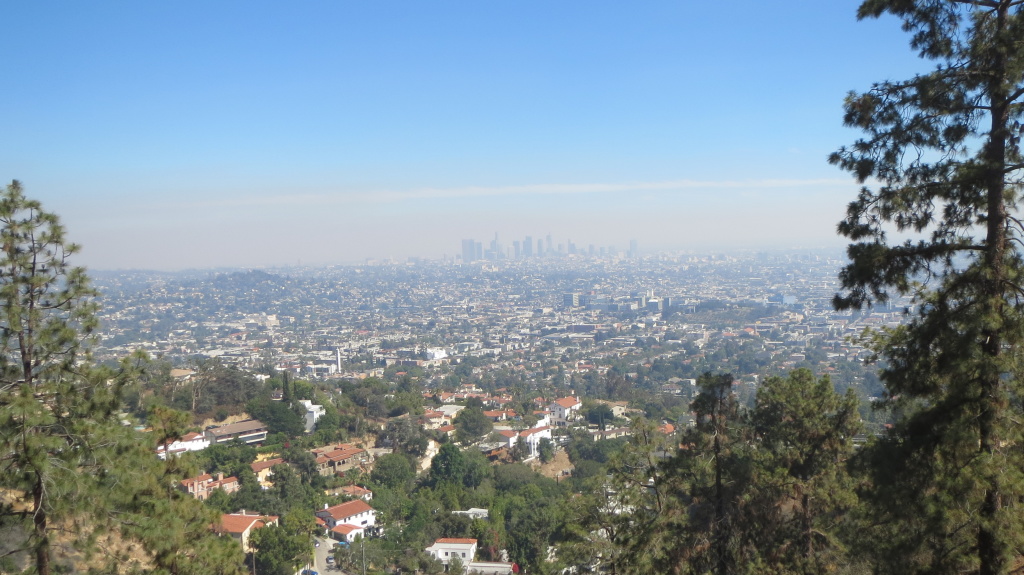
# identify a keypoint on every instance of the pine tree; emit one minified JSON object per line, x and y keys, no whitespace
{"x":75,"y":478}
{"x":49,"y":403}
{"x":800,"y":490}
{"x":943,"y":148}
{"x":685,"y":503}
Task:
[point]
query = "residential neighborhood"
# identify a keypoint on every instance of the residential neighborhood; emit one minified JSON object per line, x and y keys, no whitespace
{"x":321,"y":389}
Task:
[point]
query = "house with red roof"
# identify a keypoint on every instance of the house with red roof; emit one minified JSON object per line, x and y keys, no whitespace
{"x":335,"y":459}
{"x":531,"y":437}
{"x":357,"y":492}
{"x":240,"y":525}
{"x":565,"y":409}
{"x":201,"y":486}
{"x":448,"y":548}
{"x":353,"y":518}
{"x":264,"y":470}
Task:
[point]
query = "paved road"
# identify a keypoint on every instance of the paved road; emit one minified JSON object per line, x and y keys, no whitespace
{"x":320,"y":558}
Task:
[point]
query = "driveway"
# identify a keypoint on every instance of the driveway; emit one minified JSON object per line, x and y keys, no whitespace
{"x":320,"y":554}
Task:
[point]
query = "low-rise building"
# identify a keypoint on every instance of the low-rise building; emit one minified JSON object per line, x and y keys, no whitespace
{"x":565,"y":409}
{"x":354,"y":517}
{"x":446,"y":548}
{"x":264,"y":470}
{"x":250,"y":431}
{"x":335,"y":459}
{"x":188,"y":442}
{"x":240,"y":525}
{"x":201,"y":486}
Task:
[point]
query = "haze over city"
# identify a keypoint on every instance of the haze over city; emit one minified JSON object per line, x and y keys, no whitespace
{"x":188,"y":135}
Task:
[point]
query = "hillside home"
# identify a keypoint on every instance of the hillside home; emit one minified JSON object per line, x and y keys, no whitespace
{"x":200,"y":487}
{"x":356,"y":513}
{"x":187,"y":442}
{"x":250,"y":431}
{"x":240,"y":525}
{"x":264,"y":470}
{"x":448,"y":547}
{"x":335,"y":459}
{"x":565,"y":409}
{"x":356,"y":492}
{"x":313,"y":413}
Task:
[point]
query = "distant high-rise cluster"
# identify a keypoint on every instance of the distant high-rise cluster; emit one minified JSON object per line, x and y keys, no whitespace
{"x":527,"y":248}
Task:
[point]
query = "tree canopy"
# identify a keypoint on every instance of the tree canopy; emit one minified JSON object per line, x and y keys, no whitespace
{"x":941,"y":154}
{"x":68,"y":463}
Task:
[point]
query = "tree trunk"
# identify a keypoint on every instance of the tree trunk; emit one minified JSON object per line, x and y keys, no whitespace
{"x":991,"y":557}
{"x":42,"y":544}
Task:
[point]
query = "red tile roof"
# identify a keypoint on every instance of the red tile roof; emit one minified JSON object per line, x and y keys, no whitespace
{"x":567,"y":402}
{"x":348,"y":509}
{"x":239,"y":523}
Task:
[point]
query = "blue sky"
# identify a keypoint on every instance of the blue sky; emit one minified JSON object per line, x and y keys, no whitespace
{"x":186,"y":134}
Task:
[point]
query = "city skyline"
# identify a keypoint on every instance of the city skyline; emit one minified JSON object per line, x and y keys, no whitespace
{"x":262,"y":134}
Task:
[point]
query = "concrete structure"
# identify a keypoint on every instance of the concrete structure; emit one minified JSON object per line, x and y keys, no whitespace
{"x":313,"y":413}
{"x":250,"y":431}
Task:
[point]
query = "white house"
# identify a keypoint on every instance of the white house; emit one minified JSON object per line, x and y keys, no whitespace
{"x":566,"y":408}
{"x":187,"y":442}
{"x":533,"y":436}
{"x":347,"y":533}
{"x":313,"y":413}
{"x":446,"y":548}
{"x":352,"y":516}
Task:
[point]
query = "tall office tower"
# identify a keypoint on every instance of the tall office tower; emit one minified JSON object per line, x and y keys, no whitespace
{"x":632,"y":249}
{"x":550,"y":245}
{"x":517,"y":250}
{"x":591,"y":250}
{"x":468,"y":251}
{"x":528,"y":246}
{"x":478,"y":250}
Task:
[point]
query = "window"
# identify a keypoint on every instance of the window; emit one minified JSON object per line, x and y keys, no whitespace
{"x":463,"y":554}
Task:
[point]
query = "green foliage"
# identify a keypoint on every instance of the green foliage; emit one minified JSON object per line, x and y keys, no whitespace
{"x":471,"y":424}
{"x":545,"y":450}
{"x":227,"y":458}
{"x":278,"y":416}
{"x":279,"y":550}
{"x":600,"y":415}
{"x":406,"y":436}
{"x":799,"y":484}
{"x":764,"y":491}
{"x":69,"y":465}
{"x":393,"y":470}
{"x":944,"y":149}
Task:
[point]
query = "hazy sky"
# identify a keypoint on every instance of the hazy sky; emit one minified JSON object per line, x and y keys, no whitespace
{"x":185,"y":134}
